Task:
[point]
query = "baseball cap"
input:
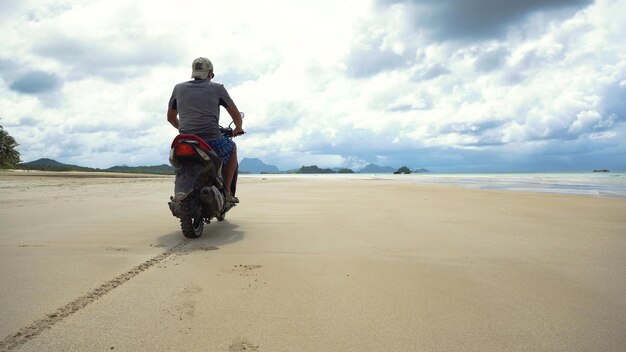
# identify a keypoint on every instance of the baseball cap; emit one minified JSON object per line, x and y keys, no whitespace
{"x":201,"y":67}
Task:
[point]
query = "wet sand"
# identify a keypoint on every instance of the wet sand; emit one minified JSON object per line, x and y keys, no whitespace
{"x":306,"y":264}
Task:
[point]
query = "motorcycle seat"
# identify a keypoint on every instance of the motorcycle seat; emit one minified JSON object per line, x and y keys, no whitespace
{"x":191,"y":137}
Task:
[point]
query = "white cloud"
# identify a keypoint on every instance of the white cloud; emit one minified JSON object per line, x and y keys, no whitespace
{"x":335,"y":83}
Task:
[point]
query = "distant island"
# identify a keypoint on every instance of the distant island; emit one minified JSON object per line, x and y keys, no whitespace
{"x":256,"y":166}
{"x":314,"y":169}
{"x":246,"y":166}
{"x":403,"y":170}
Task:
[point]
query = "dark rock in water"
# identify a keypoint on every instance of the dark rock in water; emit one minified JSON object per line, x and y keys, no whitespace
{"x":601,"y":170}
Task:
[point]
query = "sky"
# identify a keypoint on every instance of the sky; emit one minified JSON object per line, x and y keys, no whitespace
{"x":447,"y":85}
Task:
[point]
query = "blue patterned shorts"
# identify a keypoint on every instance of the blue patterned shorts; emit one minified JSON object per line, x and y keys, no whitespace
{"x":223,"y":147}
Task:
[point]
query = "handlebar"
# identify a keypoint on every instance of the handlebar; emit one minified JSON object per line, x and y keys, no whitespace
{"x":228,"y":131}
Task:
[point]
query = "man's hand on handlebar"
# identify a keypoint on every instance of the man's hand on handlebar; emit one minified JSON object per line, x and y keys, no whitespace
{"x":238,"y":131}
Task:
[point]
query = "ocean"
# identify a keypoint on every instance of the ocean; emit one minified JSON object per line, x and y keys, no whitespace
{"x":612,"y":185}
{"x":598,"y":184}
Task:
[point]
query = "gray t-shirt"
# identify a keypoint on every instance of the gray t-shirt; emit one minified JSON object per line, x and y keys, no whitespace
{"x":198,"y":104}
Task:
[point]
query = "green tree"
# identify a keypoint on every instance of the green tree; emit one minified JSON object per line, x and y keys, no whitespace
{"x":9,"y":156}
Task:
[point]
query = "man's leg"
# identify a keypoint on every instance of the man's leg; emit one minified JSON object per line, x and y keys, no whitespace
{"x":229,"y":172}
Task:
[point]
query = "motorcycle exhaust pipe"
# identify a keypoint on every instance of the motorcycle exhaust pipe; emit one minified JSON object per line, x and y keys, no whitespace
{"x":212,"y":198}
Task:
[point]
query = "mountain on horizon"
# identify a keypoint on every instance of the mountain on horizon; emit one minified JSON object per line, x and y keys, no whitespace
{"x":246,"y":165}
{"x":46,"y":164}
{"x":256,"y":166}
{"x":52,"y":165}
{"x":375,"y":169}
{"x":43,"y":162}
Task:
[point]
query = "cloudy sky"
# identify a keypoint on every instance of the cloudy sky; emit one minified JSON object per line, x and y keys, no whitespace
{"x":449,"y":85}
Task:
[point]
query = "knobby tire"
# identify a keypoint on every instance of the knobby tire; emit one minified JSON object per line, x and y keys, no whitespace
{"x":189,"y":218}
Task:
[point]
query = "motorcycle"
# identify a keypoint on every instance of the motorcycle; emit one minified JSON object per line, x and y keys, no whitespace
{"x":199,"y":190}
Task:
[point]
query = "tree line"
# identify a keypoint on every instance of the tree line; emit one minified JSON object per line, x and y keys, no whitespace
{"x":9,"y":156}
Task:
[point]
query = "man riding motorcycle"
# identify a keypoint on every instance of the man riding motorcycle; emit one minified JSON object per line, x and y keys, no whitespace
{"x":194,"y":108}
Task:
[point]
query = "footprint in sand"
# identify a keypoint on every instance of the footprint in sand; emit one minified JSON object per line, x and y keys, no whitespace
{"x":250,"y":271}
{"x":191,"y":290}
{"x":117,"y":249}
{"x":242,"y":345}
{"x":186,"y":310}
{"x":246,"y":270}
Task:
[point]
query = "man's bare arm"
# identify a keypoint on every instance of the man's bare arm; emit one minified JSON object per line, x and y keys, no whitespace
{"x":172,"y":117}
{"x":236,"y":116}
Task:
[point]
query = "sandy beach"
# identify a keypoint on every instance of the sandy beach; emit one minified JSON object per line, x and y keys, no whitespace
{"x":304,"y":264}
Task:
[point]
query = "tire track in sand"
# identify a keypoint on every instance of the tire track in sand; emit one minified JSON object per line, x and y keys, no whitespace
{"x":37,"y":327}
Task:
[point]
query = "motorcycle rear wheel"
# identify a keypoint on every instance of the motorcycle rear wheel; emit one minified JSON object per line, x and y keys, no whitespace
{"x":191,"y":222}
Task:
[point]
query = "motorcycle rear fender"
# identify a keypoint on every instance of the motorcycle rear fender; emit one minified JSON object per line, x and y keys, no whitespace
{"x":186,"y":177}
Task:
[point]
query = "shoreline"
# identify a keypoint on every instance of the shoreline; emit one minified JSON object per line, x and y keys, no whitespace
{"x":580,"y":184}
{"x":601,"y":185}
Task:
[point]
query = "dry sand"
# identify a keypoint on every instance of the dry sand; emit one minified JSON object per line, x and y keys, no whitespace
{"x":305,"y":264}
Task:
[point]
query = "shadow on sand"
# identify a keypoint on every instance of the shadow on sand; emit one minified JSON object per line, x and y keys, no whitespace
{"x":215,"y":235}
